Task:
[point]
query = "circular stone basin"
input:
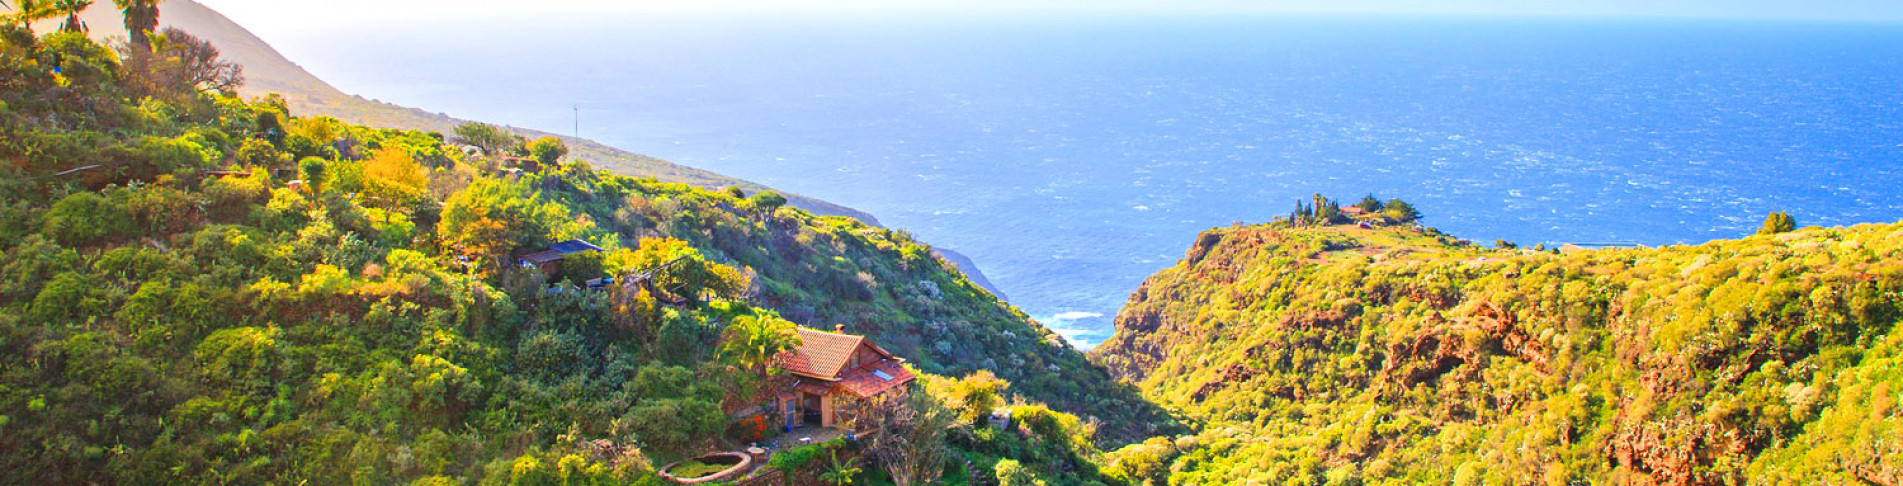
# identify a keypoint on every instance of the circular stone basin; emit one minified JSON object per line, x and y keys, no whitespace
{"x":707,"y":468}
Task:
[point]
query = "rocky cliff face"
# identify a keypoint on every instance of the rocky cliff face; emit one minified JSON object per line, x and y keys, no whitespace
{"x":1333,"y":353}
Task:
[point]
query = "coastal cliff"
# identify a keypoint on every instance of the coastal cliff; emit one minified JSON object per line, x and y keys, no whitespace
{"x":1342,"y":353}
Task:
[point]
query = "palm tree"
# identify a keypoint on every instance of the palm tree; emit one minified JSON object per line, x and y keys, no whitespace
{"x":842,"y":472}
{"x":751,"y":342}
{"x":142,"y":16}
{"x":72,"y":8}
{"x":31,"y":11}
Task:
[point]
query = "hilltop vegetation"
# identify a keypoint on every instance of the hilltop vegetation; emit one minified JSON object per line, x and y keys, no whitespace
{"x":204,"y":289}
{"x":1339,"y":355}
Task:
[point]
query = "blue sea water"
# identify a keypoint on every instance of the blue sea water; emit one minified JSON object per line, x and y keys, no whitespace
{"x":1072,"y":157}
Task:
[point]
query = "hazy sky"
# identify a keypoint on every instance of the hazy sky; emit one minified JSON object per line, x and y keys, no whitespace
{"x":287,"y":16}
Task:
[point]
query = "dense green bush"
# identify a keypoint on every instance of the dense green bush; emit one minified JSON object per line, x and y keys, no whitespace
{"x":86,"y":219}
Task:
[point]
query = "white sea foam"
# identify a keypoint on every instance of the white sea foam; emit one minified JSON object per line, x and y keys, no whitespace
{"x":1073,"y":315}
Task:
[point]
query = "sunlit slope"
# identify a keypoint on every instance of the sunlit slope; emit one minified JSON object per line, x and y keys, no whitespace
{"x":1391,"y":355}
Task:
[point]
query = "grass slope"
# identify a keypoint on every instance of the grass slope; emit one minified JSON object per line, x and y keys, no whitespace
{"x":1348,"y":356}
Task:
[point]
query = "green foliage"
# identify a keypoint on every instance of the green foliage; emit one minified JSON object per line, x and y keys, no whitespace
{"x":675,"y":424}
{"x":141,"y":18}
{"x":976,"y":395}
{"x":1345,"y":356}
{"x":161,"y":324}
{"x":800,"y":457}
{"x":1778,"y":222}
{"x":1145,"y":464}
{"x":490,"y":139}
{"x":316,"y":173}
{"x":1322,"y":211}
{"x":1370,"y":204}
{"x":489,"y":219}
{"x":841,"y":472}
{"x":1400,"y":211}
{"x":547,"y":150}
{"x":749,"y":345}
{"x":85,"y":219}
{"x":1013,"y":473}
{"x":393,"y":179}
{"x":768,"y":201}
{"x":179,"y":68}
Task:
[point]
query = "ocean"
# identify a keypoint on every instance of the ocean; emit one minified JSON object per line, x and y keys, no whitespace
{"x":1071,"y":157}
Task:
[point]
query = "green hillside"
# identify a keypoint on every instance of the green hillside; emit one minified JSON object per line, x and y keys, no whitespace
{"x":268,"y":72}
{"x":175,"y":309}
{"x":1342,"y":355}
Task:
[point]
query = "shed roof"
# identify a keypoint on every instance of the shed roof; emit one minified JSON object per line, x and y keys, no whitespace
{"x":573,"y":246}
{"x":558,"y":250}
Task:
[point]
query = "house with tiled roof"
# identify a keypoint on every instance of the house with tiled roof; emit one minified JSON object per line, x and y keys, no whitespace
{"x":829,"y":371}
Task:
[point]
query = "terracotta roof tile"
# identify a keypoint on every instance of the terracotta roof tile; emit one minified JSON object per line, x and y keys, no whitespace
{"x":865,"y":381}
{"x":821,"y":354}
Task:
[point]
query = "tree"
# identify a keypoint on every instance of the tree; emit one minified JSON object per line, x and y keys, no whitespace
{"x":679,"y":269}
{"x":72,"y":8}
{"x":393,"y":177}
{"x":910,"y":444}
{"x":842,"y":472}
{"x":85,"y":218}
{"x":491,"y":217}
{"x":141,"y":18}
{"x":547,"y":150}
{"x":1400,"y":211}
{"x":31,"y":11}
{"x":768,"y":201}
{"x":751,"y":342}
{"x":1369,"y":204}
{"x":179,"y":65}
{"x":1329,"y":212}
{"x":314,"y":172}
{"x":322,"y":130}
{"x":1778,"y":222}
{"x":977,"y":394}
{"x":489,"y":139}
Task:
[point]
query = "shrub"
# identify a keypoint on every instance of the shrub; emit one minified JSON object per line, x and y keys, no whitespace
{"x":85,"y":219}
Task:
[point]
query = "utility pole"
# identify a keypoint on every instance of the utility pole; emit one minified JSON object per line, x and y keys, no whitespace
{"x":577,"y":122}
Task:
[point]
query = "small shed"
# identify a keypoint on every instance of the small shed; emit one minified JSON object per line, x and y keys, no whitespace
{"x":545,"y":258}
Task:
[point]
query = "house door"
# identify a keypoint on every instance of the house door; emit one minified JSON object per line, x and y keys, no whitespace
{"x":810,"y":409}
